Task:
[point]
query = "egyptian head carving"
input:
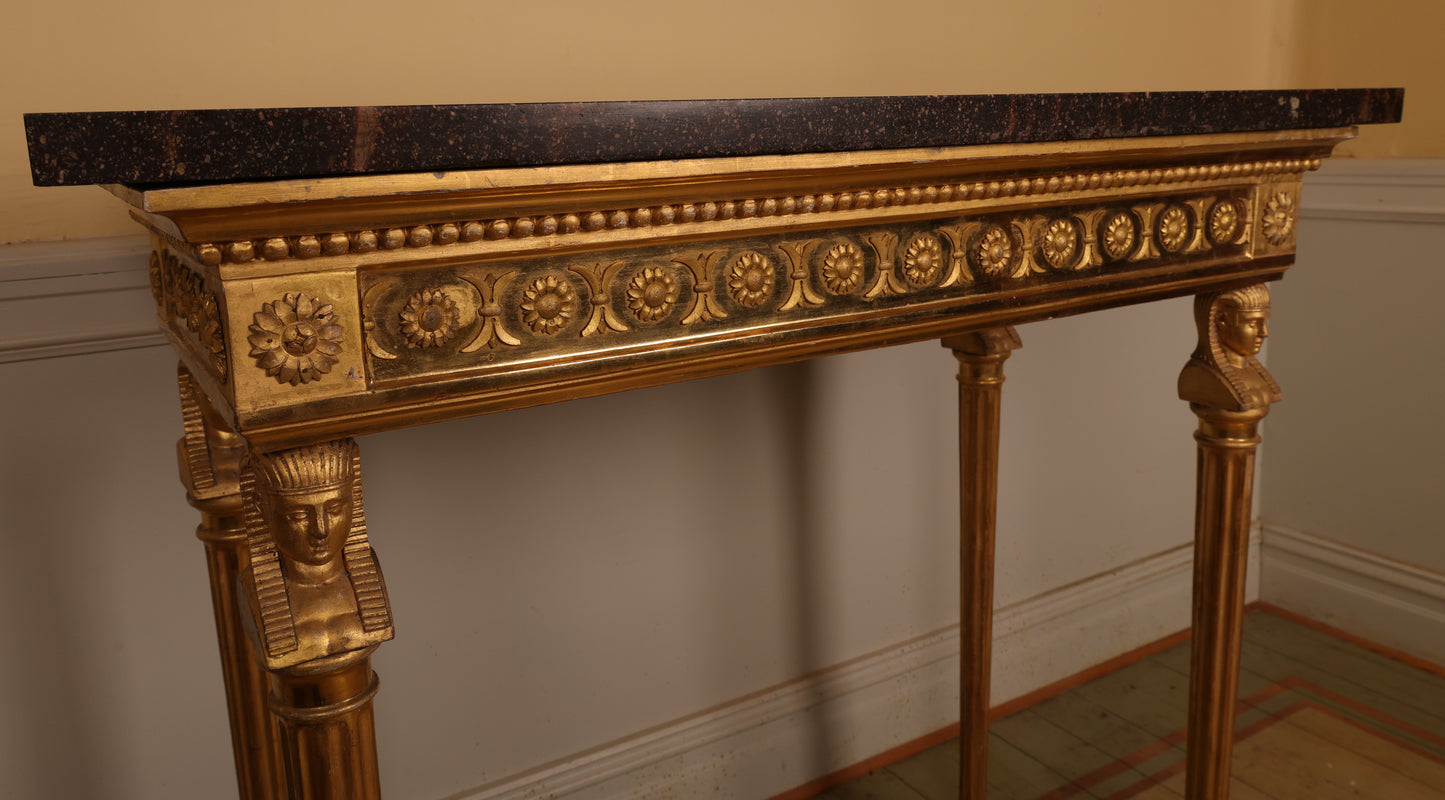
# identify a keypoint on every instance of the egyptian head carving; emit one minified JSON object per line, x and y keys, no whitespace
{"x":313,"y":583}
{"x":1241,"y":321}
{"x":1223,"y":372}
{"x":305,"y":499}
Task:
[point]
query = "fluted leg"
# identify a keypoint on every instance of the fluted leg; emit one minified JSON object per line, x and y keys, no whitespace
{"x":1221,"y":546}
{"x":210,"y":460}
{"x":327,"y":728}
{"x":1230,"y":392}
{"x":980,"y":384}
{"x":254,"y":737}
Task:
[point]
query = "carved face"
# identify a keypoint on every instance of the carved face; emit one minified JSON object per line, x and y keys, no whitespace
{"x":1243,"y":330}
{"x":310,"y":527}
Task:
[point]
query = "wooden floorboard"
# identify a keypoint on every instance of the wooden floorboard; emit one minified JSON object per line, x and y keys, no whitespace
{"x":1320,"y":718}
{"x":1351,"y":663}
{"x":932,"y":773}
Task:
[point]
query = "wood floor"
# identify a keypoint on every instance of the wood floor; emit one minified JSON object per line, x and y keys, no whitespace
{"x":1320,"y":718}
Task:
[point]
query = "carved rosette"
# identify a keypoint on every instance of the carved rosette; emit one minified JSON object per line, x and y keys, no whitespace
{"x":994,"y":251}
{"x":1059,"y":244}
{"x":923,"y":260}
{"x":429,"y":319}
{"x":212,"y":337}
{"x":1172,"y":228}
{"x":157,"y":288}
{"x":843,"y":268}
{"x":751,"y":279}
{"x":182,"y":297}
{"x":295,"y":339}
{"x":651,"y":293}
{"x":549,"y":304}
{"x":1279,"y":217}
{"x":1118,"y":235}
{"x":1224,"y":222}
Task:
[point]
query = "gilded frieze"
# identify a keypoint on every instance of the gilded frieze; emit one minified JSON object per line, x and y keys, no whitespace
{"x":460,"y":317}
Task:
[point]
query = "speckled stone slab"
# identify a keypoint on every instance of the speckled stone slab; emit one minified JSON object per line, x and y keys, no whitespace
{"x":170,"y":147}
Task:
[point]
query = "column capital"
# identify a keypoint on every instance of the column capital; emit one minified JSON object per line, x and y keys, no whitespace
{"x":987,"y":342}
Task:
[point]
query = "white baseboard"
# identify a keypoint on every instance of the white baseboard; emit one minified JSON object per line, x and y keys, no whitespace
{"x":765,"y":744}
{"x":1386,"y":601}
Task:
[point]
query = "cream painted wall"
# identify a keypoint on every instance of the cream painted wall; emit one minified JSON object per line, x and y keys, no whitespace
{"x":95,"y":56}
{"x":566,"y":575}
{"x":1353,"y":453}
{"x":1381,"y":43}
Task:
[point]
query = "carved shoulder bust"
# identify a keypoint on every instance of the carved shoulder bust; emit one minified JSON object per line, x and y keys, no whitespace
{"x":1224,"y":372}
{"x":313,"y":585}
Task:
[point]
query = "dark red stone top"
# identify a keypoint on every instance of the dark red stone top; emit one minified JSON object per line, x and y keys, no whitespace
{"x":174,"y":147}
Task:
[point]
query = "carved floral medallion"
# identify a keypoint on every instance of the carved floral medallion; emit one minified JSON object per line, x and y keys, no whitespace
{"x":923,"y":260}
{"x":843,"y":268}
{"x":651,"y":293}
{"x":751,"y":279}
{"x":429,"y":319}
{"x":1173,"y":228}
{"x":994,"y":251}
{"x":1059,"y":244}
{"x":295,"y":339}
{"x":1278,"y":220}
{"x":1118,"y":235}
{"x":212,"y":337}
{"x":1224,"y":222}
{"x":549,"y":304}
{"x":155,"y":277}
{"x":182,"y":296}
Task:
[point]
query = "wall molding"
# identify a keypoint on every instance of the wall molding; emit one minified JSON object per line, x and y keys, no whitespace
{"x":74,"y":297}
{"x":1410,"y":190}
{"x":1377,"y":598}
{"x":767,"y":743}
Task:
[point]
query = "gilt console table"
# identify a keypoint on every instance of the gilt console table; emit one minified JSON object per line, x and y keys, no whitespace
{"x":329,"y":272}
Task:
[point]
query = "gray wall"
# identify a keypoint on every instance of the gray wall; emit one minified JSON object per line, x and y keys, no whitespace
{"x":566,"y":575}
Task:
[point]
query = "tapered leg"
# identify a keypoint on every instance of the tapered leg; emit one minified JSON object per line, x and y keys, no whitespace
{"x":254,"y":736}
{"x":1221,"y":547}
{"x":980,"y":385}
{"x":319,"y":609}
{"x":327,"y":728}
{"x":210,"y":460}
{"x":1230,"y":392}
